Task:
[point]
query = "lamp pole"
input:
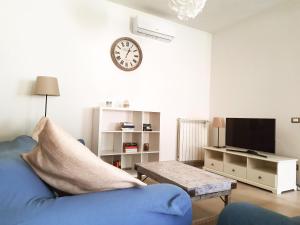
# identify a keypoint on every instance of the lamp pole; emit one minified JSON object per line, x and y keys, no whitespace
{"x":46,"y":105}
{"x":218,"y":137}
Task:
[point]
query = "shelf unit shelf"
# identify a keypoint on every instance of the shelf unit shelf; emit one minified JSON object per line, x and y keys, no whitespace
{"x":154,"y":131}
{"x":120,"y":131}
{"x":150,"y":152}
{"x":108,"y":138}
{"x":108,"y":153}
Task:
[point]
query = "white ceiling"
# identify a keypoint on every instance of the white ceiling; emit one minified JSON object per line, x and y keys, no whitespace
{"x":217,"y":14}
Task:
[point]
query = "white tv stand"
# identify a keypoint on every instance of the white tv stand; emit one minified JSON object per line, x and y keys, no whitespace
{"x":274,"y":173}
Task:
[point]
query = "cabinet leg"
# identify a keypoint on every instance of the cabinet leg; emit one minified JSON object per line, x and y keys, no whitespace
{"x":276,"y":192}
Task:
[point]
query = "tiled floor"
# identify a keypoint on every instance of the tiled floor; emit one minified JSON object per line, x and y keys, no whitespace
{"x":287,"y":203}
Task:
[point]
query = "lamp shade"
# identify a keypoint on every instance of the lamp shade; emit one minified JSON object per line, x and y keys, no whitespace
{"x":218,"y":122}
{"x":46,"y":86}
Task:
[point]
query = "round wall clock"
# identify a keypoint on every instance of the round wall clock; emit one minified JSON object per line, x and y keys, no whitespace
{"x":126,"y":54}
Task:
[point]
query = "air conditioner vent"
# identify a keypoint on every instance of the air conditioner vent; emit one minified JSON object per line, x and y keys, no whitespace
{"x":154,"y":28}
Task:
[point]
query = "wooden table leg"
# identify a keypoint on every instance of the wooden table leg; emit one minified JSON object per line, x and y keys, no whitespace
{"x":139,"y":176}
{"x":227,"y":200}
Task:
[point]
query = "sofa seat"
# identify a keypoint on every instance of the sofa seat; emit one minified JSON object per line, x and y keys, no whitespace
{"x":27,"y":200}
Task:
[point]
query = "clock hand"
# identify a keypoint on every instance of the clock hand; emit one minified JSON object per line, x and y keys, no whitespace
{"x":128,"y":51}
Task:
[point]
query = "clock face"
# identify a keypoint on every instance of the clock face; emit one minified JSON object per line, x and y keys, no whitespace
{"x":126,"y":54}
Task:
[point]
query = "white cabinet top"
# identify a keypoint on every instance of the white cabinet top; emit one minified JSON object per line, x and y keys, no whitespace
{"x":270,"y":157}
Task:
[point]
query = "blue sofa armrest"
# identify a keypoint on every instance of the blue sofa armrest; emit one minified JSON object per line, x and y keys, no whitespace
{"x":161,"y":204}
{"x":247,"y":214}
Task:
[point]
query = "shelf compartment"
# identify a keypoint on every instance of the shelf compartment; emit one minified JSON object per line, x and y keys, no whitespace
{"x":214,"y":155}
{"x":132,"y":138}
{"x":128,"y":161}
{"x":237,"y":160}
{"x":153,"y":140}
{"x":111,"y":158}
{"x":110,"y":119}
{"x":262,"y":165}
{"x":111,"y":143}
{"x":152,"y":118}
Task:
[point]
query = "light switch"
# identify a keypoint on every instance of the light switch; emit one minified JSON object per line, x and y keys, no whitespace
{"x":295,"y":120}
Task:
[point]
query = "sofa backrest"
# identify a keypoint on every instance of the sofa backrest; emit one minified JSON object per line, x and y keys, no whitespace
{"x":19,"y":185}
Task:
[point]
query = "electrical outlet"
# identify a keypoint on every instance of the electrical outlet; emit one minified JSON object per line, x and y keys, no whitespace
{"x":295,"y":120}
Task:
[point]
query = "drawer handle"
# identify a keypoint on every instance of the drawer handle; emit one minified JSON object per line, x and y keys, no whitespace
{"x":259,"y":177}
{"x":212,"y":164}
{"x":233,"y":170}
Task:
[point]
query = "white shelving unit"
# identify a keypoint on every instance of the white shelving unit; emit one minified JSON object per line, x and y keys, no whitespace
{"x":274,"y":173}
{"x":108,"y":138}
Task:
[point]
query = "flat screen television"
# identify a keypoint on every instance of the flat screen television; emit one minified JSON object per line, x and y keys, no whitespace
{"x":251,"y":134}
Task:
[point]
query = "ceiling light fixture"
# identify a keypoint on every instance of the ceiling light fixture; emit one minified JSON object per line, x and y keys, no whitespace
{"x":187,"y":9}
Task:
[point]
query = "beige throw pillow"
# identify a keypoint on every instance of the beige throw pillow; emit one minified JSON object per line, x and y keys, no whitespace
{"x":38,"y":128}
{"x":64,"y":163}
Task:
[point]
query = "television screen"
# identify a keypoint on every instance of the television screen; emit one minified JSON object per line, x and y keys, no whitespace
{"x":251,"y":134}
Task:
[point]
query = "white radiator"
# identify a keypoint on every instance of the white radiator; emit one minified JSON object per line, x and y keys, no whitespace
{"x":192,"y":136}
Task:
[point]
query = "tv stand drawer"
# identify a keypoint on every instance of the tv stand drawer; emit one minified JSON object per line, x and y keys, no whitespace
{"x":235,"y":170}
{"x":214,"y":164}
{"x":262,"y":177}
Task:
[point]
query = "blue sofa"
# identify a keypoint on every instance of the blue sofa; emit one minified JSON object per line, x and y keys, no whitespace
{"x":27,"y":200}
{"x":247,"y":214}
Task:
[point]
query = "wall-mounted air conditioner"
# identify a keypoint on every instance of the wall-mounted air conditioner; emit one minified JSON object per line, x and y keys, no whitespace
{"x":154,"y":28}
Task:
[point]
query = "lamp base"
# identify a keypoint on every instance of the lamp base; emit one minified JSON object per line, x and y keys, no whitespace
{"x":219,"y":146}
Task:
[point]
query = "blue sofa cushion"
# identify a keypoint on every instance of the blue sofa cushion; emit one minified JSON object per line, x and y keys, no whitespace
{"x":296,"y":219}
{"x":161,"y":204}
{"x":248,"y":214}
{"x":19,"y":183}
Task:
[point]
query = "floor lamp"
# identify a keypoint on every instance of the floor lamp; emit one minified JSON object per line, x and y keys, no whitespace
{"x":218,"y":122}
{"x":46,"y":86}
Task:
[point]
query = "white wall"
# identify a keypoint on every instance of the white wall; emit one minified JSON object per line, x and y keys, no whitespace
{"x":71,"y":39}
{"x":256,"y":72}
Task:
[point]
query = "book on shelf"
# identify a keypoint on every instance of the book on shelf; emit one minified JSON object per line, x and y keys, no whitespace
{"x":129,"y":147}
{"x":126,"y":124}
{"x":130,"y":150}
{"x":127,"y":129}
{"x":129,"y":144}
